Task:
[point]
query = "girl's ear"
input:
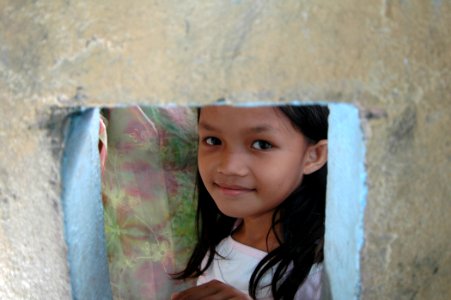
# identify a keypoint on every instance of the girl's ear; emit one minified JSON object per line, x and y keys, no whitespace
{"x":315,"y":157}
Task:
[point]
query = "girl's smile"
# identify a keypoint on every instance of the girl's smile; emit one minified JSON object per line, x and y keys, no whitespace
{"x":233,"y":190}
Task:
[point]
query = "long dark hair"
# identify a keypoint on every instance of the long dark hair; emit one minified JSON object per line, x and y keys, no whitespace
{"x":301,"y":217}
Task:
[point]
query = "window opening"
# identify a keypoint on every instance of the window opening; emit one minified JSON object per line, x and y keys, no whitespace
{"x":120,"y":244}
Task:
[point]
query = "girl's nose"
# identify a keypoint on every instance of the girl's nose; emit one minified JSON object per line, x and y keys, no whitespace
{"x":232,"y":164}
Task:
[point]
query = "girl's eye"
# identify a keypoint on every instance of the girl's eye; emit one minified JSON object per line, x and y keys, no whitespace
{"x":212,"y":141}
{"x":261,"y":145}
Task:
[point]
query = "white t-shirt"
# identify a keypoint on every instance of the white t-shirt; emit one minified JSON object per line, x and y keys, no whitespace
{"x":237,"y":264}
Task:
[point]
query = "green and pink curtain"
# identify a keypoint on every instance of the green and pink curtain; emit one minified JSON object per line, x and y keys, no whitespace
{"x":148,"y":158}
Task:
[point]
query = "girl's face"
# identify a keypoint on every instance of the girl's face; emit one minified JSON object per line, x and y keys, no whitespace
{"x":250,"y":159}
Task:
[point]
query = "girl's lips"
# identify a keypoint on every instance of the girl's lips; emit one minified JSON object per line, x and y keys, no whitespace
{"x":233,"y":190}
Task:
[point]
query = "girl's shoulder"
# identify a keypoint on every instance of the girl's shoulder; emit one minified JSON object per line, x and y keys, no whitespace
{"x":311,"y":288}
{"x":316,"y":268}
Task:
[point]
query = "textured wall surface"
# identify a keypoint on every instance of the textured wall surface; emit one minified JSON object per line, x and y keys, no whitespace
{"x":390,"y":58}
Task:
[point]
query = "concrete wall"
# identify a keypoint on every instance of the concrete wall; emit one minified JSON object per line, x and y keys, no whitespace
{"x":390,"y":58}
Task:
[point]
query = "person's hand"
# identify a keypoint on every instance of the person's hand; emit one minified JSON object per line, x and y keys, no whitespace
{"x":213,"y":290}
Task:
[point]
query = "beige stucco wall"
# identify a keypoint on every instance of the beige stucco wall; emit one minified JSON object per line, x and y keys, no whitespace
{"x":390,"y":58}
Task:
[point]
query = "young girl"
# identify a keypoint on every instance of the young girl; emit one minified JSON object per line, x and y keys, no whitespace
{"x":261,"y":203}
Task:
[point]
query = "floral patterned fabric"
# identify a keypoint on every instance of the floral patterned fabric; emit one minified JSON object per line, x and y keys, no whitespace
{"x":148,"y":186}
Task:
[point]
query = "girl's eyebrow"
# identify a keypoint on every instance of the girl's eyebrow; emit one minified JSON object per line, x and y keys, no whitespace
{"x":207,"y":126}
{"x":262,"y":128}
{"x":256,"y":129}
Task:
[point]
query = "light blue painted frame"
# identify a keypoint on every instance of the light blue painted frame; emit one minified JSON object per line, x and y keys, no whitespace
{"x":83,"y":211}
{"x":346,"y":200}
